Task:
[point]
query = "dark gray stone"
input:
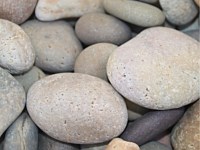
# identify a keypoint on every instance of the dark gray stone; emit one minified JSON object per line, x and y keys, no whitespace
{"x":154,"y":146}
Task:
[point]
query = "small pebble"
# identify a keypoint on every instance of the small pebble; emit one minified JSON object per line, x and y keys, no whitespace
{"x":186,"y":133}
{"x":100,"y":146}
{"x":93,"y":60}
{"x":97,"y":28}
{"x":154,"y":146}
{"x":119,"y":144}
{"x":22,"y":134}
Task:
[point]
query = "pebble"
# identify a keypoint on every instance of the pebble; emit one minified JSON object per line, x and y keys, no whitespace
{"x":119,"y":144}
{"x":16,"y":54}
{"x":93,"y":60}
{"x":100,"y":146}
{"x":12,"y":99}
{"x":179,"y":12}
{"x":99,"y":28}
{"x":137,"y":13}
{"x":151,"y":125}
{"x":48,"y":143}
{"x":154,"y":146}
{"x":22,"y":134}
{"x":56,"y":102}
{"x":165,"y":61}
{"x":30,"y":77}
{"x":55,"y":43}
{"x":186,"y":133}
{"x":17,"y":11}
{"x":49,"y":10}
{"x":194,"y":34}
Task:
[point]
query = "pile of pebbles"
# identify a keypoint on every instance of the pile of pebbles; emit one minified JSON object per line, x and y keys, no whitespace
{"x":99,"y":75}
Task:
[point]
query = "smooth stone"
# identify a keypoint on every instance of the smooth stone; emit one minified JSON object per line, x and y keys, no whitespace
{"x":137,"y":13}
{"x":165,"y":73}
{"x":12,"y":99}
{"x":17,"y":11}
{"x":22,"y":134}
{"x":30,"y":77}
{"x":197,"y":2}
{"x":49,"y":10}
{"x":100,"y":146}
{"x":194,"y":34}
{"x":68,"y":95}
{"x":185,"y":135}
{"x":48,"y":143}
{"x":151,"y":125}
{"x":17,"y":54}
{"x":119,"y":144}
{"x":154,"y":146}
{"x":94,"y":28}
{"x":93,"y":60}
{"x":179,"y":12}
{"x":55,"y":43}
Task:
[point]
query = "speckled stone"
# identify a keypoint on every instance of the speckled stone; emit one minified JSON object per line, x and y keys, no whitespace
{"x":93,"y":60}
{"x":12,"y":99}
{"x":48,"y":143}
{"x":165,"y":73}
{"x":154,"y":146}
{"x":137,"y":13}
{"x":100,"y":146}
{"x":49,"y":10}
{"x":87,"y":107}
{"x":17,"y":11}
{"x":179,"y":12}
{"x":150,"y":125}
{"x":30,"y":77}
{"x":22,"y":134}
{"x":16,"y":54}
{"x":94,"y":28}
{"x":186,"y":134}
{"x":195,"y":34}
{"x":55,"y":43}
{"x":119,"y":144}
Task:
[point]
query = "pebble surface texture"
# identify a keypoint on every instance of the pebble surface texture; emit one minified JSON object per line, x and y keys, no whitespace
{"x":77,"y":108}
{"x":21,"y":135}
{"x":93,"y":60}
{"x":97,"y":28}
{"x":151,"y":69}
{"x":17,"y":11}
{"x":12,"y":99}
{"x":179,"y":12}
{"x":48,"y":143}
{"x":30,"y":77}
{"x":186,"y":134}
{"x":16,"y":53}
{"x":119,"y":144}
{"x":135,"y":12}
{"x":55,"y":43}
{"x":151,"y":125}
{"x":154,"y":146}
{"x":49,"y":10}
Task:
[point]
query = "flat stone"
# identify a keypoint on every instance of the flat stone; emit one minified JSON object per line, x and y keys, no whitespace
{"x":186,"y":133}
{"x":49,"y":10}
{"x":154,"y":146}
{"x":137,"y":13}
{"x":22,"y":134}
{"x":12,"y":99}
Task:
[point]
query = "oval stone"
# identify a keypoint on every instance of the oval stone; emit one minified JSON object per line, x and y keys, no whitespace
{"x":157,"y":69}
{"x":16,"y":53}
{"x":77,"y":108}
{"x":12,"y":99}
{"x":99,"y":28}
{"x":137,"y":13}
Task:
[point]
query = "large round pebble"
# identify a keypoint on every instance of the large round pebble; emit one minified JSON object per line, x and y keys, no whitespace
{"x":154,"y":146}
{"x":157,"y":69}
{"x":137,"y":13}
{"x":17,"y":11}
{"x":22,"y":134}
{"x":16,"y":53}
{"x":12,"y":99}
{"x":185,"y":135}
{"x":97,"y":28}
{"x":55,"y":43}
{"x":93,"y":60}
{"x":77,"y":108}
{"x":179,"y":12}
